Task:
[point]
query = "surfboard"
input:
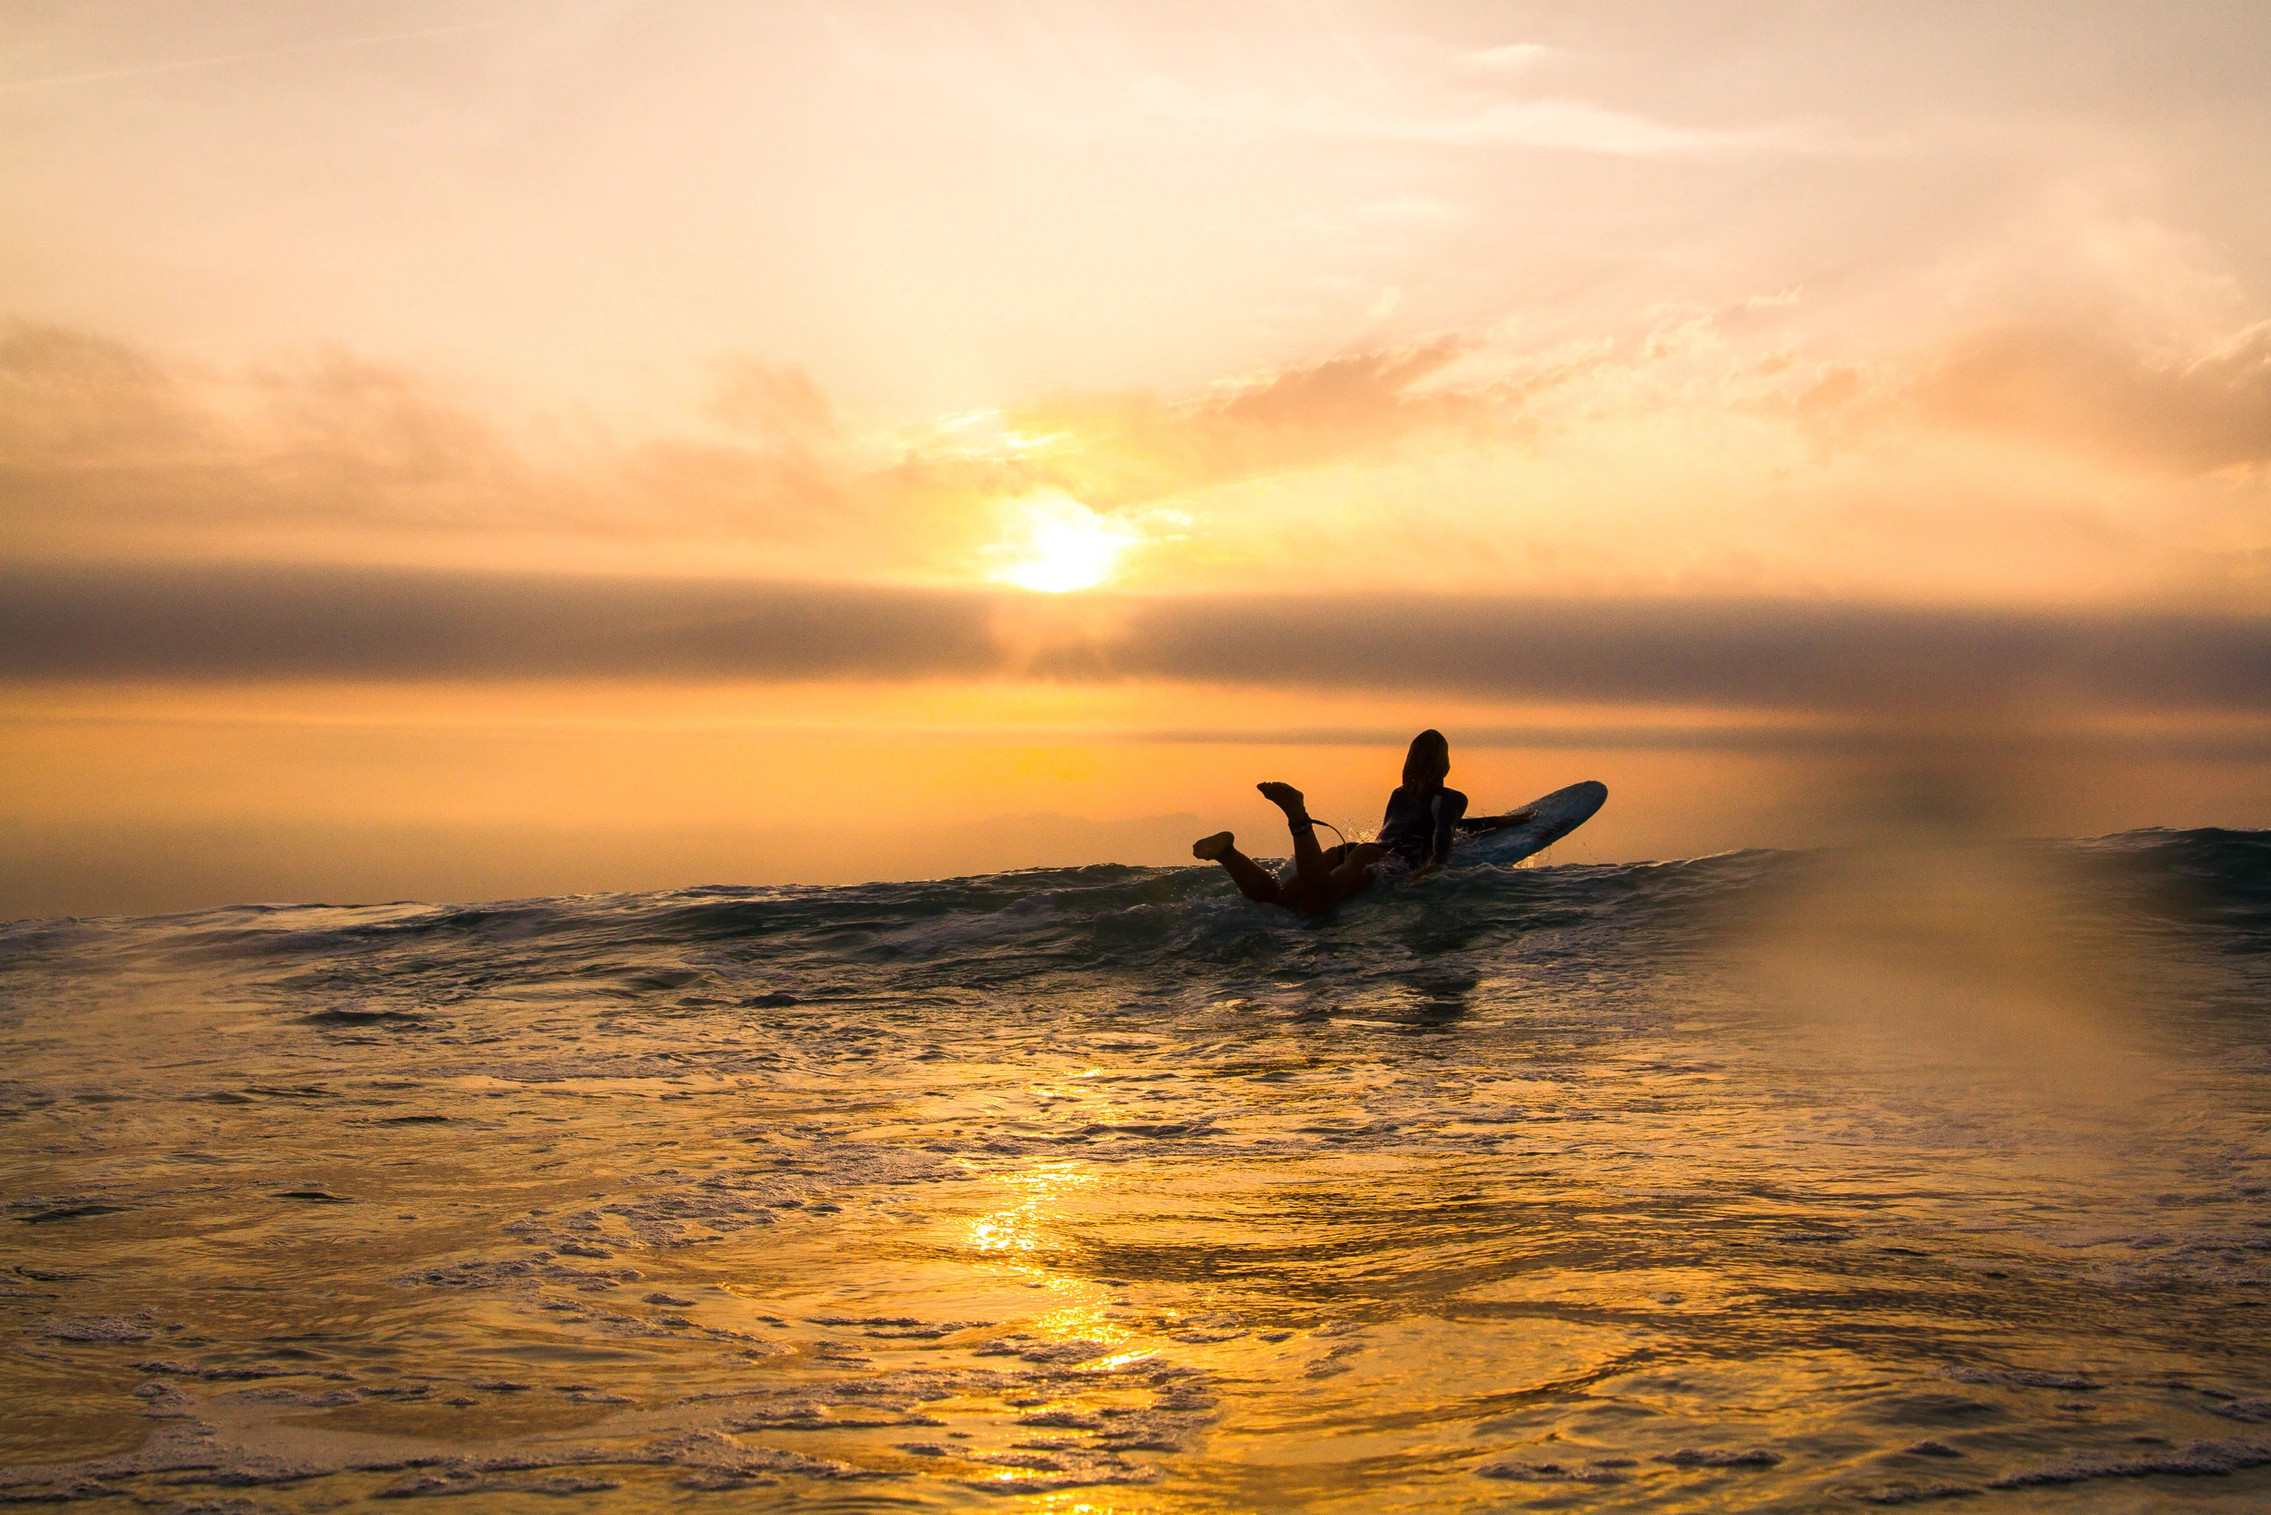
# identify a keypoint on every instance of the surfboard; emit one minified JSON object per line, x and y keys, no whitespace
{"x":1558,"y":814}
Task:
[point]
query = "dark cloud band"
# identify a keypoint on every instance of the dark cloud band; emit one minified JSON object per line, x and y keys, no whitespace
{"x":257,"y":623}
{"x":1762,"y":653}
{"x":318,"y":623}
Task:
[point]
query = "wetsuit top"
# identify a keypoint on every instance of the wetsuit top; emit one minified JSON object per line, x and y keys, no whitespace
{"x":1420,"y":823}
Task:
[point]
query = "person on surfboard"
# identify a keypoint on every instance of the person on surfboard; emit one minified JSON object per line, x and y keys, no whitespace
{"x":1415,"y":838}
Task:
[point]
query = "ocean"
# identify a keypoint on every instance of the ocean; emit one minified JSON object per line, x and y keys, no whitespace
{"x":1763,"y":1181}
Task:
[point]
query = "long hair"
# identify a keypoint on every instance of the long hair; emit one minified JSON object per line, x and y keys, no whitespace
{"x":1429,"y":761}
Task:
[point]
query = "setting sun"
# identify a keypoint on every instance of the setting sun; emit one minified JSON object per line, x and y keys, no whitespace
{"x":1057,"y":544}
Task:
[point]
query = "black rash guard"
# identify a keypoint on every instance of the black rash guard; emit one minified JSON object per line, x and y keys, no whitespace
{"x":1420,"y":823}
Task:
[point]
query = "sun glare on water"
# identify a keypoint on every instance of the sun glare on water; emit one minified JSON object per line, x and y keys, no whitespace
{"x":1056,"y":544}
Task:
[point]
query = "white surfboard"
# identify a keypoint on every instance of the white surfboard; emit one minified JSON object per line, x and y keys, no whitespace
{"x":1558,"y":814}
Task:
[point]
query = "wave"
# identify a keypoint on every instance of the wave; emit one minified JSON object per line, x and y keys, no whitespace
{"x":1059,"y":928}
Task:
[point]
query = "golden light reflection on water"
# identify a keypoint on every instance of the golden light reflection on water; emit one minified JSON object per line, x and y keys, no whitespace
{"x":1025,"y":1236}
{"x":1018,"y":1230}
{"x":1286,"y":1241}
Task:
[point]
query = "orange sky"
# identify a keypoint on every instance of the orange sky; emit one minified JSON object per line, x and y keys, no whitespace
{"x":1153,"y":339}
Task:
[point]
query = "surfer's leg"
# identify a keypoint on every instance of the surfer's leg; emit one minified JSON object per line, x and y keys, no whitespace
{"x":1247,"y":874}
{"x":1353,"y":873}
{"x":1308,"y":857}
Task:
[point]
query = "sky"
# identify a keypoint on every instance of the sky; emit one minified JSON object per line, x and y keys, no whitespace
{"x":469,"y":448}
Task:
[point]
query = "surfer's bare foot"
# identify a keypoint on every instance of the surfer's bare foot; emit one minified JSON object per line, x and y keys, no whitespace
{"x":1286,"y":798}
{"x":1211,"y":848}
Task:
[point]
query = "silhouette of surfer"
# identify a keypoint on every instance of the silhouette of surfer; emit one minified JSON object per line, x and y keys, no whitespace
{"x":1422,"y":820}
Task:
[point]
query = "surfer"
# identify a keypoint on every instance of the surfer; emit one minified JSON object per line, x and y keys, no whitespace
{"x":1424,"y":817}
{"x":1422,"y":820}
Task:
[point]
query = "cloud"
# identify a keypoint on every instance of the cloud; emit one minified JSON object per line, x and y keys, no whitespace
{"x":2084,"y":392}
{"x":1558,"y":125}
{"x":107,"y":451}
{"x":102,"y":446}
{"x":1133,"y":449}
{"x":96,"y":436}
{"x":240,"y":622}
{"x":250,"y":623}
{"x":1568,"y":126}
{"x":1694,"y":447}
{"x":1465,"y":118}
{"x":779,"y":406}
{"x":1507,"y":56}
{"x":1764,"y":654}
{"x":70,"y":399}
{"x":220,"y":60}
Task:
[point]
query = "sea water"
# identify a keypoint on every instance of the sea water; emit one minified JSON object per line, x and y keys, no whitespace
{"x":1762,"y":1182}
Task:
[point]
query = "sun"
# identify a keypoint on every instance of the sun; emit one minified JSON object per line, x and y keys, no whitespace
{"x":1055,"y":544}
